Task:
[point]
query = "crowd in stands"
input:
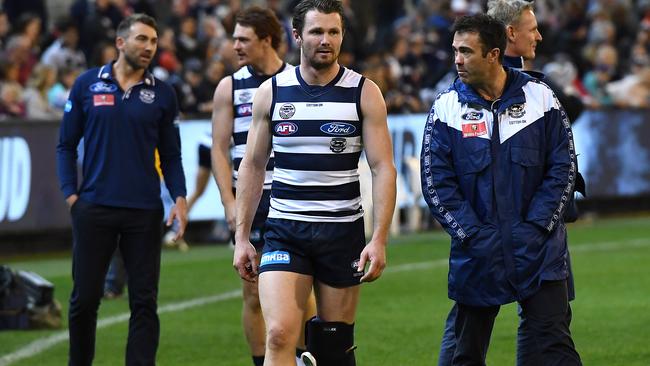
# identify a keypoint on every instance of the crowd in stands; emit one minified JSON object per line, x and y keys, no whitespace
{"x":597,"y":50}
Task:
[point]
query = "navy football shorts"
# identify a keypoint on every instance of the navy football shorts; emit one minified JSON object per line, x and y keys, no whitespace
{"x":259,"y":221}
{"x":205,"y":159}
{"x":327,"y":251}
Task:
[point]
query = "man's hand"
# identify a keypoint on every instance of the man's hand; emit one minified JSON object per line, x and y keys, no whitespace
{"x":179,"y":212}
{"x":245,"y":260}
{"x":71,"y":200}
{"x":375,"y":253}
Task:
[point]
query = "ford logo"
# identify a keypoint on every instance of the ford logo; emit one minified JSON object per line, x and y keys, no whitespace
{"x":102,"y":87}
{"x":472,"y":116}
{"x":286,"y":128}
{"x":338,"y":128}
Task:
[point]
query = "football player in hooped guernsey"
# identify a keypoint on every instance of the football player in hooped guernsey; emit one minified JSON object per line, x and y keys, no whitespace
{"x":317,"y":119}
{"x":257,"y":36}
{"x":123,"y":115}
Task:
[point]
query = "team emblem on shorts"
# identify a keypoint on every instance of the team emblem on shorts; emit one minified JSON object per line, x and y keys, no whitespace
{"x":338,"y":144}
{"x":147,"y":96}
{"x":287,"y":111}
{"x":277,"y":257}
{"x":355,"y":268}
{"x":256,"y":235}
{"x":516,"y":110}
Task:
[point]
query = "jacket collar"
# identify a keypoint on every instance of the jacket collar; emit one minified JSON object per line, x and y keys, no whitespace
{"x":512,"y":94}
{"x":106,"y":73}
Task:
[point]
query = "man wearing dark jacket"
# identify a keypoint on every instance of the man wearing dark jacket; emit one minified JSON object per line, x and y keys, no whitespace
{"x":498,"y":167}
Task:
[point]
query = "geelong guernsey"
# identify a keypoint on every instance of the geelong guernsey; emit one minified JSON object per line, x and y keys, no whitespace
{"x":317,"y":144}
{"x":244,"y":85}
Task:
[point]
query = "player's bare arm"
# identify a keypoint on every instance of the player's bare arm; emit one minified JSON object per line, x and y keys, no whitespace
{"x":251,"y":181}
{"x":222,"y":127}
{"x":379,"y":152}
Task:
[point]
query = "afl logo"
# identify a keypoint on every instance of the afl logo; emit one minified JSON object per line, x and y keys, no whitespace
{"x":245,"y":110}
{"x":287,"y":111}
{"x":472,"y":116}
{"x":286,"y":128}
{"x":338,"y":128}
{"x":516,"y":110}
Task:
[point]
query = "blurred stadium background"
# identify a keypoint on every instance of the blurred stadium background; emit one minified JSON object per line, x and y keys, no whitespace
{"x":597,"y":50}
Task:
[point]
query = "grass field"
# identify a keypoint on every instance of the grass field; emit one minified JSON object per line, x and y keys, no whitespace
{"x":400,"y":319}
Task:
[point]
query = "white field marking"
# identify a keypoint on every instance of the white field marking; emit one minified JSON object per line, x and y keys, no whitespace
{"x":46,"y":343}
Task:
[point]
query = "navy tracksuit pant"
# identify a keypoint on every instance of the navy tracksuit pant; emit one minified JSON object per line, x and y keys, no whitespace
{"x":97,"y":231}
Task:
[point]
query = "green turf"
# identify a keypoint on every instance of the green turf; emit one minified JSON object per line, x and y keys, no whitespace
{"x":401,"y":316}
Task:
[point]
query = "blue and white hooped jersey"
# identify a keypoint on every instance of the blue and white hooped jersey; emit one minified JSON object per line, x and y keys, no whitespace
{"x":245,"y":83}
{"x":317,"y":142}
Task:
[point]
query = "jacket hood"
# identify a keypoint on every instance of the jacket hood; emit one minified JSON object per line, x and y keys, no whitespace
{"x":512,"y":94}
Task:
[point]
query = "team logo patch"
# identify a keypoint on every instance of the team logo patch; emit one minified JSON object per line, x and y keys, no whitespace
{"x":245,"y":96}
{"x":286,"y":128}
{"x":68,"y":106}
{"x":103,"y":99}
{"x":277,"y":257}
{"x":338,"y":128}
{"x":102,"y":87}
{"x":516,"y":111}
{"x":287,"y":111}
{"x":147,"y":96}
{"x":338,"y":144}
{"x":472,"y":116}
{"x":245,"y":109}
{"x":474,"y":129}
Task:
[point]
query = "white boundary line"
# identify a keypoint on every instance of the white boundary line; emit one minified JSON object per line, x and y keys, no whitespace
{"x":46,"y":343}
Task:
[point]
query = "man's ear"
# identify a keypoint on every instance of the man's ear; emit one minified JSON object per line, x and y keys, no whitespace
{"x":493,"y":55}
{"x":510,"y":33}
{"x":296,"y":37}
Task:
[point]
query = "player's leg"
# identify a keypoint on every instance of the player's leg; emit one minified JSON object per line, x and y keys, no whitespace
{"x":203,"y":175}
{"x":283,"y":296}
{"x":140,"y":247}
{"x":310,"y":312}
{"x":547,"y":315}
{"x":330,"y":336}
{"x":253,"y":321}
{"x":116,"y":277}
{"x":448,"y":343}
{"x":95,"y":239}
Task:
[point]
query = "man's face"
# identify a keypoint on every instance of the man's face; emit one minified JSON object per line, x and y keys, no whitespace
{"x":524,"y":35}
{"x":321,"y":38}
{"x":139,"y":46}
{"x":473,"y":68}
{"x":248,"y":47}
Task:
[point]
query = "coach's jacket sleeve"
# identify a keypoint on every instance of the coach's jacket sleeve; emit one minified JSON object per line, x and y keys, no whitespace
{"x":70,"y":133}
{"x":440,"y":184}
{"x":550,"y":199}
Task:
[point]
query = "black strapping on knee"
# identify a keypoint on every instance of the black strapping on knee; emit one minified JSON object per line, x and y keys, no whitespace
{"x":331,"y":343}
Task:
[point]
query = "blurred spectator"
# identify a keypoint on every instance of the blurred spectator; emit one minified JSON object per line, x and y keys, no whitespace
{"x":104,"y":53}
{"x":186,"y":85}
{"x":16,"y":8}
{"x":57,"y":96}
{"x":97,"y":21}
{"x":35,"y":96}
{"x":166,"y":63}
{"x":11,"y":101}
{"x":187,"y":44}
{"x":214,"y":72}
{"x":563,"y":73}
{"x":604,"y":70}
{"x":64,"y":51}
{"x":5,"y":27}
{"x":19,"y":52}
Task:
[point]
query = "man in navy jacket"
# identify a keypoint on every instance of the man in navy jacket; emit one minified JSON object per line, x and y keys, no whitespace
{"x":498,"y":166}
{"x":123,"y":115}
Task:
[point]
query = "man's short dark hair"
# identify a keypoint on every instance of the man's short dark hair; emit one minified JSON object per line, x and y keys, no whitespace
{"x":264,"y":23}
{"x":323,"y":6}
{"x":124,"y":27}
{"x":491,"y":32}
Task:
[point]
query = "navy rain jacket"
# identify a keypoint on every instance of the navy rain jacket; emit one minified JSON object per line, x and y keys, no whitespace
{"x":500,"y":196}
